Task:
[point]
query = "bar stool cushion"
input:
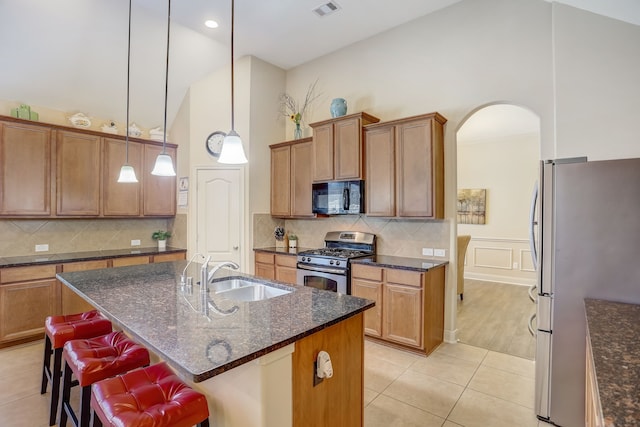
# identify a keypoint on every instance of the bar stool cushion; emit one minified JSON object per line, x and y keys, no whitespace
{"x":61,"y":329}
{"x":101,"y":357}
{"x":152,"y":396}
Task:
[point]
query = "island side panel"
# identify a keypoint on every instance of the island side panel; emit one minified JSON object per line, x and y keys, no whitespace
{"x":336,"y":401}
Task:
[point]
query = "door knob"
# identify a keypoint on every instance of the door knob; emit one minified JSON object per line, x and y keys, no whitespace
{"x":235,"y":248}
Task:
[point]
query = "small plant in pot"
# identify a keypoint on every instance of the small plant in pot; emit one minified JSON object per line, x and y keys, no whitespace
{"x":161,"y":236}
{"x":293,"y":241}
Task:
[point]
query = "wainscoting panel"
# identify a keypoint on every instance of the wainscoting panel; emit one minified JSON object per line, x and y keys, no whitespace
{"x":500,"y":260}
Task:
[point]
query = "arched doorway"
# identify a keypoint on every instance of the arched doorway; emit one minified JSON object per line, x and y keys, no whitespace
{"x":498,"y":153}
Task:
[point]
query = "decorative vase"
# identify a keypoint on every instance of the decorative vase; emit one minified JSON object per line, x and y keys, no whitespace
{"x":338,"y":107}
{"x":162,"y":245}
{"x":297,"y":132}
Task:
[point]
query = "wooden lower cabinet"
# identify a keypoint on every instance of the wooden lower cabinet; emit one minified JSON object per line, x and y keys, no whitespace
{"x":280,"y":267}
{"x":336,"y":401}
{"x":27,"y":296}
{"x":71,"y":302}
{"x":409,"y":307}
{"x":173,"y":256}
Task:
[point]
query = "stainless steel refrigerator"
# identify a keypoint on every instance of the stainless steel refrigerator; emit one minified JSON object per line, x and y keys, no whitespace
{"x":588,"y":244}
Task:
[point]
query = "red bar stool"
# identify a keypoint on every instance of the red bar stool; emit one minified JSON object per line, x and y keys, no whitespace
{"x":148,"y":397}
{"x":59,"y":330}
{"x":92,"y":360}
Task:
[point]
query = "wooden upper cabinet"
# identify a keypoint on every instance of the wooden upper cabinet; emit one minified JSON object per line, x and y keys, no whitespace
{"x":337,"y":148}
{"x":78,"y":173}
{"x":380,"y":192}
{"x":120,"y":199}
{"x":291,"y":178}
{"x":413,"y":148}
{"x":25,"y":169}
{"x":281,"y":181}
{"x":159,"y":192}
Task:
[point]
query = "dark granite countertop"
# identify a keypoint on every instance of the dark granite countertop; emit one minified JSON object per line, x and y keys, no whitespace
{"x":282,"y":251}
{"x":403,"y":263}
{"x":614,"y":332}
{"x":149,"y":302}
{"x":47,"y":258}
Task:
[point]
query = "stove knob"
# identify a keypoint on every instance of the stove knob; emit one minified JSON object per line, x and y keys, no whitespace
{"x":331,"y":262}
{"x":337,"y":262}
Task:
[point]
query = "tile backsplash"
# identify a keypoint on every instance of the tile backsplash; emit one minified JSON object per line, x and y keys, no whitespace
{"x":397,"y":237}
{"x":19,"y":237}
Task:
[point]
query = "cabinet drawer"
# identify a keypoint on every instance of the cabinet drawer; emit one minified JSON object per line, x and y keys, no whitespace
{"x":404,"y":277}
{"x":287,"y":260}
{"x":264,"y":257}
{"x":366,"y":272}
{"x":130,"y":260}
{"x":84,"y":265}
{"x":20,"y":274}
{"x":176,"y":256}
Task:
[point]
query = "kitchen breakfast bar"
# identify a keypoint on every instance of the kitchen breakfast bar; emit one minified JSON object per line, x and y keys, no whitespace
{"x":254,"y":360}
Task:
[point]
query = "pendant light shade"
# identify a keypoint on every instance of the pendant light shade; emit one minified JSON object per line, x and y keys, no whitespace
{"x":164,"y":163}
{"x":232,"y":150}
{"x":127,"y":173}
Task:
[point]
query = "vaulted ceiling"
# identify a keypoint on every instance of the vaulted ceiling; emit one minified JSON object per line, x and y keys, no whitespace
{"x":70,"y":55}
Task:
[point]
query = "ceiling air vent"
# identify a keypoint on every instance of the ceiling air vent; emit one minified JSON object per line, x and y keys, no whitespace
{"x":326,"y":9}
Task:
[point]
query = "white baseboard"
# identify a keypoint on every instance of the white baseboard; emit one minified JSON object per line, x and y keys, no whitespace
{"x":500,"y":279}
{"x":451,"y":336}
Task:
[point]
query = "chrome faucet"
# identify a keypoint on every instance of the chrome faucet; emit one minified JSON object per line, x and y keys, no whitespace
{"x":206,"y":276}
{"x":219,"y":266}
{"x":184,"y":279}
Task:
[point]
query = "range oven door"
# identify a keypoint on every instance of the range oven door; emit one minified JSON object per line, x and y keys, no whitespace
{"x":321,"y":277}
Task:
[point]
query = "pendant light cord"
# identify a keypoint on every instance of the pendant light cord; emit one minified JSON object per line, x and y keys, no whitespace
{"x":233,"y":128}
{"x":166,"y":80}
{"x":126,"y":162}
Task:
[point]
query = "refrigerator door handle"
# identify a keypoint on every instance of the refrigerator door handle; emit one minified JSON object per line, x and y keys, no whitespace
{"x":532,"y":330}
{"x":532,"y":224}
{"x":531,"y":292}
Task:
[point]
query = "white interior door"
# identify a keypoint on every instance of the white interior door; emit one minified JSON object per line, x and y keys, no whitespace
{"x":219,"y":213}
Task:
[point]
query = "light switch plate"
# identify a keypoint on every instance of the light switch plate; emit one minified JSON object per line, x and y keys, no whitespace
{"x":135,"y":243}
{"x":440,"y":252}
{"x":42,"y":248}
{"x":427,"y":251}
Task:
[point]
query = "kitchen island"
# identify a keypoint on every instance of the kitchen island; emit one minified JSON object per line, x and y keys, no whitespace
{"x":254,"y":360}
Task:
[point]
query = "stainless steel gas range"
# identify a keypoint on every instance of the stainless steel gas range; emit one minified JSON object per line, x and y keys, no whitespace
{"x":328,"y":268}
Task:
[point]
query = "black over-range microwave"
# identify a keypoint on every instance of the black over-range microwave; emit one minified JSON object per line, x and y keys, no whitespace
{"x":338,"y":198}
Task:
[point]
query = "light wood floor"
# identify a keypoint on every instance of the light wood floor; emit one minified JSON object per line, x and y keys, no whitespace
{"x":495,"y":316}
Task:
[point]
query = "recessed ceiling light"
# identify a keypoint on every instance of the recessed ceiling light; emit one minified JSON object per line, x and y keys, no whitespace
{"x":210,"y":23}
{"x":326,"y":8}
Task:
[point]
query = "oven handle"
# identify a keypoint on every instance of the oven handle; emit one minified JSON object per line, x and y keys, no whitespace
{"x":318,"y":269}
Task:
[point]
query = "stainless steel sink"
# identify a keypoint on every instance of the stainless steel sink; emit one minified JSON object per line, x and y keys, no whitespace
{"x":246,"y":290}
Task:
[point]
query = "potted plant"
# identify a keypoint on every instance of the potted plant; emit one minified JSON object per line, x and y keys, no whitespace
{"x":161,"y":236}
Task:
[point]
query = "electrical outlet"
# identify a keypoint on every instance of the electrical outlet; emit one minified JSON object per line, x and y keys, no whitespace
{"x":135,"y":243}
{"x":515,"y":265}
{"x":42,"y":248}
{"x":440,"y":252}
{"x":427,"y":251}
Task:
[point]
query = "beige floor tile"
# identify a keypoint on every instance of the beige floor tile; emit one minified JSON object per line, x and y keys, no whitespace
{"x":504,"y":385}
{"x":389,"y":354}
{"x":447,"y":368}
{"x":463,"y":351}
{"x":387,"y":412}
{"x":476,"y":409}
{"x":379,"y":373}
{"x":369,"y":395}
{"x":513,"y":364}
{"x":30,"y":411}
{"x":450,"y":424}
{"x":425,"y":392}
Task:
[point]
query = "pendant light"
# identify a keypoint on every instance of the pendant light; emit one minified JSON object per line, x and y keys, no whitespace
{"x":164,"y":163}
{"x":232,"y":151}
{"x":127,"y":173}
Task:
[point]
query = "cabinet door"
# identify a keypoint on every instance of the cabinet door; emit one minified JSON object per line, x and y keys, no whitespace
{"x":402,"y":307}
{"x":281,"y":181}
{"x":414,"y":166}
{"x":265,"y":265}
{"x":286,"y":268}
{"x":158,"y":192}
{"x":25,"y":169}
{"x":348,"y":149}
{"x":323,"y":153}
{"x":301,"y":182}
{"x":77,"y":174}
{"x":372,"y":317}
{"x":71,"y":302}
{"x":120,"y":199}
{"x":24,"y":307}
{"x":380,"y":192}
